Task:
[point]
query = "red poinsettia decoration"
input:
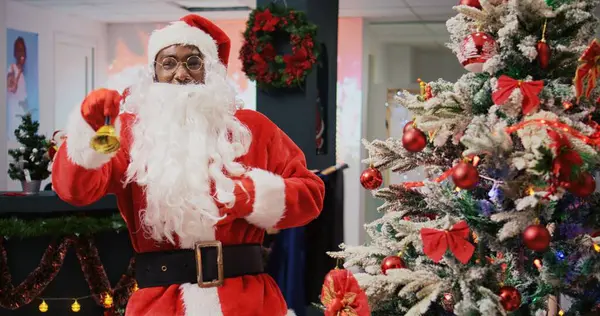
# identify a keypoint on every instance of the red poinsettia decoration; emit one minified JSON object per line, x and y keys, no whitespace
{"x":566,"y":156}
{"x":265,"y":21}
{"x":596,"y":127}
{"x":259,"y":56}
{"x":342,"y":296}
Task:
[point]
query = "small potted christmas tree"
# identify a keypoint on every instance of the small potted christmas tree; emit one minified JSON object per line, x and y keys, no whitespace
{"x":31,"y":160}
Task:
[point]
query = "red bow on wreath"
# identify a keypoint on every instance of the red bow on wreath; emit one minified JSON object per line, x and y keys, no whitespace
{"x":436,"y":242}
{"x":342,"y":296}
{"x":588,"y":70}
{"x":529,"y":90}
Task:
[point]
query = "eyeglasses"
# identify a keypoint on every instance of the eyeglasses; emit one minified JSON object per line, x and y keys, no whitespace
{"x":170,"y":64}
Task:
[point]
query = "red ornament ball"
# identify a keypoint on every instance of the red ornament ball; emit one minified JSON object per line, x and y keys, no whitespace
{"x":543,"y":57}
{"x":371,"y":179}
{"x":582,"y":187}
{"x":409,"y":125}
{"x":448,"y":302}
{"x":465,"y":176}
{"x":470,"y":3}
{"x":536,"y":237}
{"x":414,"y":140}
{"x":475,"y":50}
{"x":510,"y":298}
{"x":392,"y":262}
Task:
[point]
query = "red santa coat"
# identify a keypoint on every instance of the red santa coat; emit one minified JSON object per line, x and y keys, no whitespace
{"x":284,"y":194}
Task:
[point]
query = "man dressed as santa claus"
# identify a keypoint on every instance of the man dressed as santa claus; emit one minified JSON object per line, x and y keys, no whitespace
{"x":197,"y":180}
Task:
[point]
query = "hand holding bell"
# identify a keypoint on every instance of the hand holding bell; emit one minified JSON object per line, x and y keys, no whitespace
{"x":99,"y":109}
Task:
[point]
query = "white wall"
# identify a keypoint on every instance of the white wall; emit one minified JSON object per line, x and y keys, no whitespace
{"x":50,"y":26}
{"x":397,"y":66}
{"x":3,"y":149}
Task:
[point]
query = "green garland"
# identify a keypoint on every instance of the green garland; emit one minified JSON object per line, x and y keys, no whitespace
{"x":62,"y":226}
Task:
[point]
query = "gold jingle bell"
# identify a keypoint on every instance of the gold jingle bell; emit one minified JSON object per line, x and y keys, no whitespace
{"x":106,"y":140}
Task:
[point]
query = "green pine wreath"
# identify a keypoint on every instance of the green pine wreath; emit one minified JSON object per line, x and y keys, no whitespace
{"x":260,"y":60}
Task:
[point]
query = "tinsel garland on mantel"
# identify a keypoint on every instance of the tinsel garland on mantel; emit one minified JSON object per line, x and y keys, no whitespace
{"x":12,"y":297}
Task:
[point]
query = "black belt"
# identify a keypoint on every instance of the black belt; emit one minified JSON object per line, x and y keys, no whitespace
{"x":208,"y":265}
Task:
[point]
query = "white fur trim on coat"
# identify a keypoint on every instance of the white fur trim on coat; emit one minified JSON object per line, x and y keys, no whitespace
{"x":79,"y":134}
{"x":181,"y":33}
{"x":199,"y":301}
{"x":269,"y":198}
{"x":291,"y":313}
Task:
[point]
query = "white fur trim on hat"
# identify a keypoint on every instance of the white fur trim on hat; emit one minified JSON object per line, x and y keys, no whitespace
{"x":183,"y":34}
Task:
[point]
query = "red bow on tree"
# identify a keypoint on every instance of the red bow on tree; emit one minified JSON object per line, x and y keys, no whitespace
{"x":342,"y":296}
{"x":529,"y":90}
{"x":436,"y":242}
{"x":588,"y":71}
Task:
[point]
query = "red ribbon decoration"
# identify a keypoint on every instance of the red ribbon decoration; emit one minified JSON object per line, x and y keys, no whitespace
{"x":444,"y":176}
{"x":436,"y":242}
{"x":529,"y":90}
{"x":587,"y":72}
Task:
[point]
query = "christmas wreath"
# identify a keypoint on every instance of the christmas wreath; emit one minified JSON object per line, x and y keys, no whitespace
{"x":260,"y":60}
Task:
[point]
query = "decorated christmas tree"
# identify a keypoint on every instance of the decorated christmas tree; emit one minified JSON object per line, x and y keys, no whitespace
{"x":31,"y":160}
{"x":507,"y":221}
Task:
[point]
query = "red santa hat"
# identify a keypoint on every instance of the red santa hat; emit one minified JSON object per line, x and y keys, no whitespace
{"x":191,"y":30}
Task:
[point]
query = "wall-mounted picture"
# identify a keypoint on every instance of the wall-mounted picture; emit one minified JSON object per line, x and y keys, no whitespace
{"x":22,"y":92}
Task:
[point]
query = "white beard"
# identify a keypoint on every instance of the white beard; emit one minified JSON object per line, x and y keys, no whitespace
{"x":185,"y":138}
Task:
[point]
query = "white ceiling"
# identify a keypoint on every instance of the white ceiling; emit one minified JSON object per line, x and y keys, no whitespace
{"x":131,"y":11}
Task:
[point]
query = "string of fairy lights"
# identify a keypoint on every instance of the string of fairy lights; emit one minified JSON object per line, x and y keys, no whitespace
{"x":106,"y":299}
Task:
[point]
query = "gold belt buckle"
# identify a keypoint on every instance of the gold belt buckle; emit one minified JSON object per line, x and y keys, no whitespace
{"x":197,"y":249}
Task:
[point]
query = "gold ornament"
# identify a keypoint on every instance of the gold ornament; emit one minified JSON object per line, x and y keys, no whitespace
{"x":43,"y":307}
{"x":135,"y":287}
{"x":75,"y":307}
{"x":597,"y":247}
{"x":107,"y":301}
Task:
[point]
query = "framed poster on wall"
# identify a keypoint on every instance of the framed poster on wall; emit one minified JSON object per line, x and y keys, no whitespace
{"x":22,"y":92}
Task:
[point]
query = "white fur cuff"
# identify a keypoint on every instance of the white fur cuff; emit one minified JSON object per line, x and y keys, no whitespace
{"x":79,"y":134}
{"x":269,"y":198}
